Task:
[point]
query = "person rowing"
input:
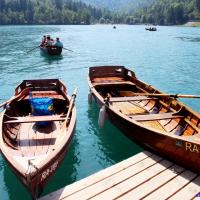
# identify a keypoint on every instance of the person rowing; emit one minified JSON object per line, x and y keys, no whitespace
{"x":58,"y":43}
{"x":43,"y":42}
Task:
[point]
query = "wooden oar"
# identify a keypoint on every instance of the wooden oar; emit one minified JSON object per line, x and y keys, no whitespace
{"x":32,"y":49}
{"x":167,"y":95}
{"x":68,"y":49}
{"x":71,"y":104}
{"x":22,"y":93}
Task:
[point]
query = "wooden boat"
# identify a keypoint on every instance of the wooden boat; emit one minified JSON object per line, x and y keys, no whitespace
{"x":51,"y":50}
{"x":148,"y":117}
{"x":34,"y":150}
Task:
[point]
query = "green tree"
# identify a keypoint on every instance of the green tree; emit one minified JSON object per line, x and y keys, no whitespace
{"x":2,"y":5}
{"x":170,"y":17}
{"x":197,"y":2}
{"x":178,"y":13}
{"x":58,"y":4}
{"x":85,"y":17}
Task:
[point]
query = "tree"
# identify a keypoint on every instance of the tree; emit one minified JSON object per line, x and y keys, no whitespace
{"x":102,"y":20}
{"x":143,"y":19}
{"x":170,"y":18}
{"x":197,"y":2}
{"x":2,"y":5}
{"x":23,"y":5}
{"x":178,"y":13}
{"x":30,"y":12}
{"x":150,"y":19}
{"x":59,"y":4}
{"x":85,"y":17}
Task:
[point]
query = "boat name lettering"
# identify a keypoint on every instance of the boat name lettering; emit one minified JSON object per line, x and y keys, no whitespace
{"x":191,"y":147}
{"x":48,"y":171}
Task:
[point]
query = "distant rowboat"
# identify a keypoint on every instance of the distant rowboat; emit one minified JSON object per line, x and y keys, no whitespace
{"x":154,"y":120}
{"x":36,"y":129}
{"x":151,"y":29}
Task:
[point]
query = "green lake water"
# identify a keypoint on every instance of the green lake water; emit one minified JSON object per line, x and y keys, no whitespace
{"x":168,"y":59}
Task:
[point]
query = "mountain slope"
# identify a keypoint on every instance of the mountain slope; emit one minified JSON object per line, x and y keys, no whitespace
{"x":169,"y":12}
{"x":48,"y":12}
{"x":119,"y":5}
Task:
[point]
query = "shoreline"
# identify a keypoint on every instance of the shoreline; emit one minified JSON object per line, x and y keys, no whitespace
{"x":192,"y":24}
{"x":188,"y":24}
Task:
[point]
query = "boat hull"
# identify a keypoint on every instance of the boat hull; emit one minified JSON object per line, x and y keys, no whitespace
{"x":52,"y":51}
{"x":180,"y":151}
{"x":34,"y":167}
{"x":36,"y":184}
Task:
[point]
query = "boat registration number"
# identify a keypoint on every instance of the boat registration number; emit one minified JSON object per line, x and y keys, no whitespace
{"x":49,"y":170}
{"x":191,"y":147}
{"x":188,"y":146}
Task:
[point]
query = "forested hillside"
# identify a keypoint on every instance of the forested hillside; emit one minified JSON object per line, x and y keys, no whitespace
{"x":169,"y":12}
{"x":162,"y":12}
{"x":119,"y":5}
{"x":50,"y":12}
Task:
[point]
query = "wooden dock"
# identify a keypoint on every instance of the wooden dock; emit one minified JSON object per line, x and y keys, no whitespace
{"x":143,"y":176}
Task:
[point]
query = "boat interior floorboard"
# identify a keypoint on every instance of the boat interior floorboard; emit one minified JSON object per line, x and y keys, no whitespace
{"x":36,"y":140}
{"x":146,"y":113}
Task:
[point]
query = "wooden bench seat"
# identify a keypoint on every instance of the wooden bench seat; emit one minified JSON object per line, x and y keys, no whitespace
{"x":42,"y":94}
{"x":134,"y":98}
{"x":152,"y":117}
{"x":113,"y":83}
{"x":29,"y":119}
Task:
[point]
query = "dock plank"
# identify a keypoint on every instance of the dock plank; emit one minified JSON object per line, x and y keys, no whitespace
{"x":115,"y":179}
{"x":189,"y":192}
{"x":137,"y":179}
{"x":143,"y":176}
{"x":153,"y":184}
{"x":172,"y":187}
{"x":92,"y":179}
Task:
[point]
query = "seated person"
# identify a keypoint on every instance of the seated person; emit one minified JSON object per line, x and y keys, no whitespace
{"x":58,"y":43}
{"x":49,"y":41}
{"x":43,"y":40}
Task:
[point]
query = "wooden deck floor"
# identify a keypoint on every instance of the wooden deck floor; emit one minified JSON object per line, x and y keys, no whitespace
{"x":143,"y":176}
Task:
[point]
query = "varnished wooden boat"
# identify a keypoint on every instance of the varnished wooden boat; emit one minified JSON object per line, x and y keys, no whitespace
{"x":145,"y":115}
{"x":34,"y":151}
{"x":51,"y":50}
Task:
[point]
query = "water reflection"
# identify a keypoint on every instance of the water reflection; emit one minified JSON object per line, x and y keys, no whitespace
{"x":51,"y":59}
{"x":14,"y":187}
{"x":114,"y":146}
{"x":189,"y":39}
